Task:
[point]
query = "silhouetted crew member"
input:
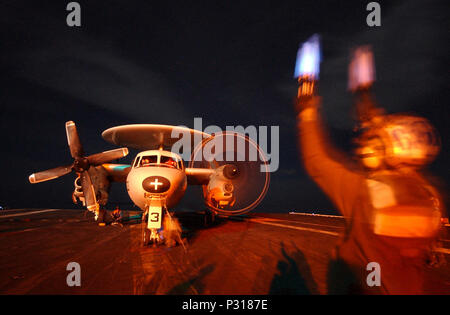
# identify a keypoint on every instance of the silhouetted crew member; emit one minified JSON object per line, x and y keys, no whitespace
{"x":117,"y":215}
{"x":392,"y":213}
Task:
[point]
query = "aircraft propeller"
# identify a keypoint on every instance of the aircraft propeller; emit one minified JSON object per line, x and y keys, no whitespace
{"x":241,"y":171}
{"x":80,"y":165}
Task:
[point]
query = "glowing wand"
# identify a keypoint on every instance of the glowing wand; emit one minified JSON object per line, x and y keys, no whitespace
{"x":361,"y":70}
{"x":361,"y":75}
{"x":307,"y":66}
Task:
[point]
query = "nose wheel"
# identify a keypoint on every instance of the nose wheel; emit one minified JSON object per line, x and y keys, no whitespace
{"x":154,"y":236}
{"x":151,"y":236}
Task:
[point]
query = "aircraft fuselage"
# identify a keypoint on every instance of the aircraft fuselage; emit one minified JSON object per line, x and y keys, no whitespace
{"x":156,"y":174}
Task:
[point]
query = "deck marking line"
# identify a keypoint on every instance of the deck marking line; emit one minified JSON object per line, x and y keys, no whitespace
{"x":295,"y":227}
{"x":27,"y":213}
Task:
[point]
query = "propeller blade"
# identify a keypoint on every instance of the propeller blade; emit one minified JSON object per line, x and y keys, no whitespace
{"x":50,"y":174}
{"x":107,"y":156}
{"x":76,"y":150}
{"x":88,"y":191}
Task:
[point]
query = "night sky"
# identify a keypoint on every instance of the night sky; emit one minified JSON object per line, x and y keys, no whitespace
{"x":229,"y":62}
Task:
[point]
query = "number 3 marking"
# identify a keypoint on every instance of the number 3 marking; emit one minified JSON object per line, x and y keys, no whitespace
{"x":155,"y":217}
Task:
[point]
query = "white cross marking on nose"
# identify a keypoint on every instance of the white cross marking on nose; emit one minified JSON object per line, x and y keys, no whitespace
{"x":156,"y":183}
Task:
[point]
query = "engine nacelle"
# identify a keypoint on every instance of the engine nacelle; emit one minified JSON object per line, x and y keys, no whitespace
{"x":219,"y":191}
{"x":241,"y":174}
{"x":100,"y":181}
{"x":77,"y":194}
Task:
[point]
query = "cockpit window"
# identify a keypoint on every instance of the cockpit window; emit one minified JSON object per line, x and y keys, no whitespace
{"x":136,"y":161}
{"x":149,"y":160}
{"x":158,"y":160}
{"x":169,"y":161}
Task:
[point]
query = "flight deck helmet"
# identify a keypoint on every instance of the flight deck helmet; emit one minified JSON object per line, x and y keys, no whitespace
{"x":398,"y":140}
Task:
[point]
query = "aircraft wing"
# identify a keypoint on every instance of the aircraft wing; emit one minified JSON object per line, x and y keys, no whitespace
{"x":198,"y":176}
{"x":117,"y":172}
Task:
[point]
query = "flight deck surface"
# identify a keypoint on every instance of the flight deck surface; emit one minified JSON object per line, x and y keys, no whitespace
{"x":256,"y":254}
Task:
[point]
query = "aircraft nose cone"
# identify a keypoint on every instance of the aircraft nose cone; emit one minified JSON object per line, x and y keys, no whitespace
{"x":156,"y":184}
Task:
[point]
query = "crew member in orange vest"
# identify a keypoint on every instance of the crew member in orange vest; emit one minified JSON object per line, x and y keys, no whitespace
{"x":392,"y":213}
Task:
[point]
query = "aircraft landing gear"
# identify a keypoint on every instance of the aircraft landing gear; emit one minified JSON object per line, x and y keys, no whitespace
{"x":158,"y":226}
{"x":152,"y":222}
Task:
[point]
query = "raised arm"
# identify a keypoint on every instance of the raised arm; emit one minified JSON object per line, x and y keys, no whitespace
{"x":323,"y":162}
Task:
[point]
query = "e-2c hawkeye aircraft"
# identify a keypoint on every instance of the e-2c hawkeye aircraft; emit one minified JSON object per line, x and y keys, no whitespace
{"x":232,"y":182}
